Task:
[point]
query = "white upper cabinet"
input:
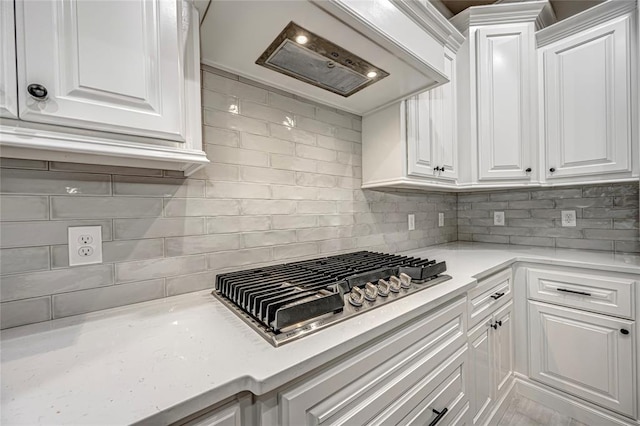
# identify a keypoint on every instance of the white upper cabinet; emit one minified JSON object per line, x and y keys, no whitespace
{"x":102,"y":82}
{"x":432,"y":129}
{"x":8,"y":94}
{"x":111,"y":66}
{"x":587,"y":96}
{"x":504,"y":138}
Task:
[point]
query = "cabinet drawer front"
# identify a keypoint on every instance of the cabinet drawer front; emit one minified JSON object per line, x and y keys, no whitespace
{"x":583,"y":354}
{"x":490,"y":294}
{"x":449,"y":394}
{"x":365,"y":383}
{"x":611,"y":296}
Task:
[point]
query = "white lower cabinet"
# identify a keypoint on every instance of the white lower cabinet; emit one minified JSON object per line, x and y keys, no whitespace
{"x":585,"y":354}
{"x":416,"y":375}
{"x":490,"y":361}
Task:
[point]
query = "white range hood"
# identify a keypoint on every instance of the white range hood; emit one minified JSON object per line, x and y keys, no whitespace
{"x":404,"y":38}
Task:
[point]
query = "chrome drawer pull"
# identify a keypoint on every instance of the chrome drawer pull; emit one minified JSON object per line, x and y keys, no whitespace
{"x":581,"y":293}
{"x":497,"y":296}
{"x":439,"y":416}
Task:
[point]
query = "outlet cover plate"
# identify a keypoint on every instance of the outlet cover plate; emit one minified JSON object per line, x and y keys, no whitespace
{"x":441,"y":219}
{"x":568,"y":218}
{"x":85,"y":245}
{"x":411,"y":221}
{"x":498,"y":218}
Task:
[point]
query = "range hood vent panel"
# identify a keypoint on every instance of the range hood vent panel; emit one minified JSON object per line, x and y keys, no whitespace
{"x":319,"y":62}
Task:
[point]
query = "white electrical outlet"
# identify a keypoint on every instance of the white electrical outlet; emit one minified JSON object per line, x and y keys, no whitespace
{"x":568,"y":218}
{"x":498,"y":218}
{"x":85,"y":245}
{"x":441,"y":219}
{"x":412,"y":221}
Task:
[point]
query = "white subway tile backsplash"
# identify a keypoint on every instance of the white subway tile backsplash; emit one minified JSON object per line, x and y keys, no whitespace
{"x":294,"y":193}
{"x":35,"y":284}
{"x":228,"y":224}
{"x":218,"y":136}
{"x":287,"y":162}
{"x":292,"y":251}
{"x":314,"y":153}
{"x":16,"y":208}
{"x":181,"y":246}
{"x":114,"y":251}
{"x":157,"y":187}
{"x":267,"y":144}
{"x":24,"y":260}
{"x":258,"y":207}
{"x":132,"y":229}
{"x":289,"y":133}
{"x":294,"y":221}
{"x":233,"y":121}
{"x":231,"y":155}
{"x":267,"y":175}
{"x":237,"y":190}
{"x":189,"y":283}
{"x":263,"y":112}
{"x":233,"y":87}
{"x":533,"y":217}
{"x":268,"y":238}
{"x":44,"y":233}
{"x":26,"y":311}
{"x":237,"y":258}
{"x":159,"y":268}
{"x":200,"y":207}
{"x":14,"y":181}
{"x":104,"y":207}
{"x":221,"y":101}
{"x":291,"y":105}
{"x":83,"y":301}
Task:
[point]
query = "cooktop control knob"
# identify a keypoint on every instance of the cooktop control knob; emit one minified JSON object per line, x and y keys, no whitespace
{"x":394,"y":284}
{"x":383,"y":288}
{"x":405,"y":280}
{"x":370,"y":292}
{"x":356,"y":297}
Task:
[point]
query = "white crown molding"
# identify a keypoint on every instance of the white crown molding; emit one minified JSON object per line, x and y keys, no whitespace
{"x":431,"y":20}
{"x":589,"y":18}
{"x":538,"y":12}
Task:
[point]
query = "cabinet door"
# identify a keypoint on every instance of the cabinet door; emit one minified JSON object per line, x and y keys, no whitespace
{"x":504,"y":64}
{"x":8,"y":83}
{"x":587,"y":98}
{"x":110,"y":66}
{"x":503,"y":338}
{"x":421,"y":148}
{"x":481,"y":371}
{"x":585,"y":354}
{"x":432,"y":129}
{"x":446,"y":134}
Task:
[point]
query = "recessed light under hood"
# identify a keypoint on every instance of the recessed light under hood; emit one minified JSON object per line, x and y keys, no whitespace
{"x":305,"y":56}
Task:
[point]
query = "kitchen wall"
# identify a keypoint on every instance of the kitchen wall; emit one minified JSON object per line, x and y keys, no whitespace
{"x":607,"y":217}
{"x":283,"y":185}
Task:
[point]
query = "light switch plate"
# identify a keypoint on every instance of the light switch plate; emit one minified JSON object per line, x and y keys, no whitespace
{"x":498,"y":218}
{"x":412,"y":221}
{"x":85,"y":245}
{"x":441,"y":219}
{"x":568,"y":218}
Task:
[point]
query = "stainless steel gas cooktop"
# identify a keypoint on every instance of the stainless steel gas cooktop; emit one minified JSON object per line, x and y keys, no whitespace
{"x":285,"y":302}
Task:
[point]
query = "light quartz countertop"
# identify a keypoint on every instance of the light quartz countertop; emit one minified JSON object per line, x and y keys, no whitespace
{"x":162,"y":360}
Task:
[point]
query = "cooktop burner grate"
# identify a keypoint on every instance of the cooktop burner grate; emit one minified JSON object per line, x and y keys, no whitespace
{"x":289,"y":297}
